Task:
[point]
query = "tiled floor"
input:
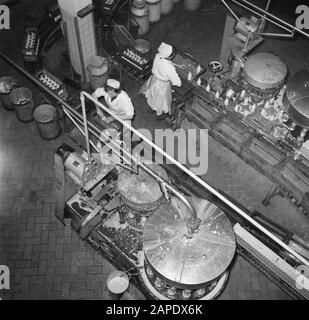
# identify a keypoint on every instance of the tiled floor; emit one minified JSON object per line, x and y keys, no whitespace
{"x":46,"y":259}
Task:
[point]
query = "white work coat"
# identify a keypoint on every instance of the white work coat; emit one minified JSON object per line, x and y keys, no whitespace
{"x":157,"y":89}
{"x":121,"y":105}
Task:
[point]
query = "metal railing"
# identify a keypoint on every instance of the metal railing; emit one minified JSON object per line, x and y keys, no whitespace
{"x":264,"y":15}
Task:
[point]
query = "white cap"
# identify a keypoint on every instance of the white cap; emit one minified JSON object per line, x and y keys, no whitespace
{"x":113,"y":83}
{"x":165,"y":50}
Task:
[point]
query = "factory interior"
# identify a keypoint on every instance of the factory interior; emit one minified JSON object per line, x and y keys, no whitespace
{"x":88,"y":213}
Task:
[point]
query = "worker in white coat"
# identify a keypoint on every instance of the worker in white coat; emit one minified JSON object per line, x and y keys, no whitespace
{"x":117,"y":100}
{"x":158,"y":88}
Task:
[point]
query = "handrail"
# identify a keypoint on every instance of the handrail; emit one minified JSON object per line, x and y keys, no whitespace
{"x":265,"y":15}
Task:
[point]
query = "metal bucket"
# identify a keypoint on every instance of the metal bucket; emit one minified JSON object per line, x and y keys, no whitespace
{"x":140,"y":16}
{"x":166,"y":6}
{"x":192,"y":5}
{"x":141,"y":45}
{"x":23,"y":103}
{"x":118,"y":282}
{"x":154,"y":10}
{"x":47,"y":122}
{"x":98,"y":70}
{"x":7,"y":84}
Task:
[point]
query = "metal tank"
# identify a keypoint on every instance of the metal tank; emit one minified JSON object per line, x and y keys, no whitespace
{"x":296,"y":98}
{"x":264,"y":75}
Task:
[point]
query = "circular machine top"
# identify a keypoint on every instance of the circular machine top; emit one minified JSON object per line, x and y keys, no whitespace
{"x":297,"y":93}
{"x":189,"y":263}
{"x":141,"y":188}
{"x":265,"y":70}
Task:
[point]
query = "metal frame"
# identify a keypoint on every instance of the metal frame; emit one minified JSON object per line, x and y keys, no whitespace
{"x":266,"y":16}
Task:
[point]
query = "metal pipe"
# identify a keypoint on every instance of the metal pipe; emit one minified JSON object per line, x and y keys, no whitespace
{"x":301,"y":241}
{"x":235,"y":15}
{"x":262,"y":26}
{"x":38,"y":83}
{"x":267,"y":5}
{"x":79,"y":128}
{"x":276,"y":18}
{"x":245,"y":48}
{"x":261,"y":16}
{"x":100,"y":137}
{"x":172,"y":189}
{"x":203,"y":183}
{"x":82,"y":98}
{"x":268,"y":34}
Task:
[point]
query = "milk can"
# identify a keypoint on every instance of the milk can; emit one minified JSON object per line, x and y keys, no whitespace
{"x":98,"y":71}
{"x":7,"y":84}
{"x":140,"y":16}
{"x":154,"y":10}
{"x":166,"y":6}
{"x":192,"y":5}
{"x":47,"y":121}
{"x":143,"y":46}
{"x":22,"y":99}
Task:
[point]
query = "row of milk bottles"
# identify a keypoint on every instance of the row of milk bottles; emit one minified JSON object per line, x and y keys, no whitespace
{"x":144,"y":12}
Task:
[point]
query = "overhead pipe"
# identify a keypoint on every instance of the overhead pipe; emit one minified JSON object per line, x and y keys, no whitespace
{"x":293,"y":28}
{"x":263,"y":17}
{"x":263,"y":20}
{"x":235,"y":15}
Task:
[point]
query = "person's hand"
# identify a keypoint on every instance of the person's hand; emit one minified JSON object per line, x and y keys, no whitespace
{"x":100,"y":113}
{"x":100,"y":92}
{"x":108,"y":120}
